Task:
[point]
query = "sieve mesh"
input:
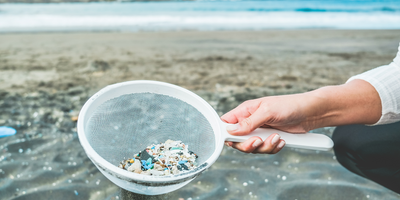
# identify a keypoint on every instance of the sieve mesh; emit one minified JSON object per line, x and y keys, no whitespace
{"x":123,"y":126}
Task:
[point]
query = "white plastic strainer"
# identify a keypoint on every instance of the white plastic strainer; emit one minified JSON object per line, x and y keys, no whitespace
{"x":123,"y":119}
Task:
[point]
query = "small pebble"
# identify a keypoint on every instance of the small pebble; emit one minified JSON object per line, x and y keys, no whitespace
{"x":74,"y":118}
{"x":245,"y":184}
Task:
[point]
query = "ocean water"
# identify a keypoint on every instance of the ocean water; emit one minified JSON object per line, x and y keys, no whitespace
{"x":200,"y":15}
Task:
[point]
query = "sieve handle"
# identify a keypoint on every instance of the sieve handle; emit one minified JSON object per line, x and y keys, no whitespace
{"x":312,"y":141}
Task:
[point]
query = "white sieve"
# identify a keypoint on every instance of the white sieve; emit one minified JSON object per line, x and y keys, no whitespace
{"x":123,"y":119}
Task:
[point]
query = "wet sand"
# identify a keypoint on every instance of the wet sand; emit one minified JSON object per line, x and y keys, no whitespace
{"x":45,"y":78}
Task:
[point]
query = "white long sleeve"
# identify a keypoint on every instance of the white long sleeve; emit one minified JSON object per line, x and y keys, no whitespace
{"x":386,"y":80}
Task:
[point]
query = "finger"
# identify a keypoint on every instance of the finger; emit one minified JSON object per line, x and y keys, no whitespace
{"x":249,"y":124}
{"x":242,"y":111}
{"x":229,"y":118}
{"x":249,"y":145}
{"x":269,"y":145}
{"x":279,"y":147}
{"x":233,"y":116}
{"x":228,"y":144}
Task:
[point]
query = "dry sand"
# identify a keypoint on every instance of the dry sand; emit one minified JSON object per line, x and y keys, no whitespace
{"x":46,"y":77}
{"x":284,"y":61}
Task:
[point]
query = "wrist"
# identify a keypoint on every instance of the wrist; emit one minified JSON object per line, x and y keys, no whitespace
{"x":317,"y":109}
{"x":324,"y":110}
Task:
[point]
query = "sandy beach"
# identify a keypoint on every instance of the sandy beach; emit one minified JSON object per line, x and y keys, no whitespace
{"x":45,"y":78}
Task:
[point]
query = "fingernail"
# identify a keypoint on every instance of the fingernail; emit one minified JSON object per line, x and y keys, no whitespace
{"x":227,"y":144}
{"x":257,"y":143}
{"x":232,"y":127}
{"x":281,"y":144}
{"x":275,"y":139}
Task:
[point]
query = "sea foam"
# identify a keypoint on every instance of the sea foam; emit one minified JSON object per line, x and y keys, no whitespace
{"x":204,"y":15}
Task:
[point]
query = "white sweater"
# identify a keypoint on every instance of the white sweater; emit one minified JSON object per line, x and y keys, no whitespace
{"x":386,"y":80}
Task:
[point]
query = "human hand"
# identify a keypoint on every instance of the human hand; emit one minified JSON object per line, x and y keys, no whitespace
{"x":356,"y":102}
{"x":285,"y":113}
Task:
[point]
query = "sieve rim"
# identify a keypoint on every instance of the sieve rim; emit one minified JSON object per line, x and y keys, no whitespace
{"x":126,"y":175}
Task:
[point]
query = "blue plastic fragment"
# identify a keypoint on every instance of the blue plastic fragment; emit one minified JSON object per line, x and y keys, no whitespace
{"x":184,"y":166}
{"x":149,"y":161}
{"x":176,"y":148}
{"x":6,"y":131}
{"x":148,"y":166}
{"x":153,"y":147}
{"x":145,"y":165}
{"x":182,"y":162}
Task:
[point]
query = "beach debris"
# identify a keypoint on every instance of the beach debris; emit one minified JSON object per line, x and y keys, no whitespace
{"x":168,"y":158}
{"x":74,"y":118}
{"x":7,"y":131}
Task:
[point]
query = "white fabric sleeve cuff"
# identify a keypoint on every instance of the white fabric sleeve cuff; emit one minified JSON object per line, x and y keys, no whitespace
{"x":386,"y":80}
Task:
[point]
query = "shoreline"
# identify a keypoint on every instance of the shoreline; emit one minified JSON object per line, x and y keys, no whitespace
{"x":35,"y":31}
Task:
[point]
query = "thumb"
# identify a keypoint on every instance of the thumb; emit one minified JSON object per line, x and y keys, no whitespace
{"x":247,"y":125}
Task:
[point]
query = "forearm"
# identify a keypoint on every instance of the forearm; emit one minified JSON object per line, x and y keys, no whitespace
{"x":356,"y":102}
